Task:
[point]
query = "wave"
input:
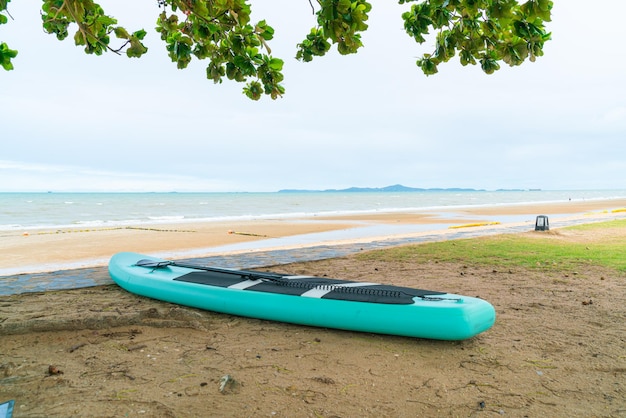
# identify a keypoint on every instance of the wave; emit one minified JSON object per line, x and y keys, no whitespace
{"x":166,"y":218}
{"x":94,"y":210}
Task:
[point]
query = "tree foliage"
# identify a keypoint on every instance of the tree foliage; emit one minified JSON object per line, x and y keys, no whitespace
{"x":484,"y":32}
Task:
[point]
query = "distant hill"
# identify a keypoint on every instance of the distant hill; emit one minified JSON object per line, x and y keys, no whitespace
{"x":395,"y":189}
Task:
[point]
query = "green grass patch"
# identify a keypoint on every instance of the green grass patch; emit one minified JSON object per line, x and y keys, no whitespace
{"x":549,"y":251}
{"x":618,"y":223}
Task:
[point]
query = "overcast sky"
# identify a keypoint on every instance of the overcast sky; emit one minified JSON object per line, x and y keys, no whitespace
{"x":73,"y":122}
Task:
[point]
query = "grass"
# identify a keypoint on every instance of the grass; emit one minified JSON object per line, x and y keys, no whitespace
{"x":537,"y":251}
{"x":620,"y":223}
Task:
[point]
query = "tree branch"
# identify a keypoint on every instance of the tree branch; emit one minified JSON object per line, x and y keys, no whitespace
{"x":6,"y":9}
{"x":83,"y":30}
{"x":117,"y":51}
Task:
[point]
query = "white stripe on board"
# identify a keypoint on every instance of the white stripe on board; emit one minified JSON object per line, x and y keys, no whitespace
{"x":321,"y":291}
{"x":245,"y":284}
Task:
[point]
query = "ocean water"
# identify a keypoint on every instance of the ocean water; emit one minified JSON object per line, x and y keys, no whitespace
{"x":24,"y":211}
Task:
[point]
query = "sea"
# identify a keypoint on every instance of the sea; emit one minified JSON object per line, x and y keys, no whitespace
{"x":52,"y":210}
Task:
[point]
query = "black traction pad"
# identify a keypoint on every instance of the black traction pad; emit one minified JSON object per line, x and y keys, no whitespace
{"x":312,"y":287}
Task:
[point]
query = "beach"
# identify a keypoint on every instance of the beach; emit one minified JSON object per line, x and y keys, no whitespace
{"x":71,"y":247}
{"x":556,"y":348}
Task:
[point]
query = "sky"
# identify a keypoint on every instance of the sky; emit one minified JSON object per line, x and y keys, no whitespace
{"x":76,"y":122}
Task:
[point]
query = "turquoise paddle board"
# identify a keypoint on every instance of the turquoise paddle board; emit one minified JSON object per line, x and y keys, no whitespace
{"x":306,"y":300}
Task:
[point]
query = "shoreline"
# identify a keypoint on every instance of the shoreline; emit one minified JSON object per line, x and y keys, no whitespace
{"x":426,"y":211}
{"x":47,"y":250}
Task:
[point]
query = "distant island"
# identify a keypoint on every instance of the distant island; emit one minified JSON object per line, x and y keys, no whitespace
{"x":395,"y":189}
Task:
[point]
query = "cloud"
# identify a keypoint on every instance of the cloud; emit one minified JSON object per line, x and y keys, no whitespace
{"x":18,"y":176}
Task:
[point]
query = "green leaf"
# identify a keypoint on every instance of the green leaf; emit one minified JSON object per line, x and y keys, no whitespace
{"x":489,"y":65}
{"x":120,"y":32}
{"x":501,"y":9}
{"x":253,"y":90}
{"x":215,"y":72}
{"x":537,"y":9}
{"x":140,"y":34}
{"x":6,"y":54}
{"x":266,"y":31}
{"x":276,"y":64}
{"x":136,"y":49}
{"x":428,"y":65}
{"x":467,"y":58}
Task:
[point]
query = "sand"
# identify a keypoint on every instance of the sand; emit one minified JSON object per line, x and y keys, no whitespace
{"x":557,"y":348}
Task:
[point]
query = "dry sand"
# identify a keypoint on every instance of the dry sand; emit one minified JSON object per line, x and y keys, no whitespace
{"x":33,"y":249}
{"x":557,"y":348}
